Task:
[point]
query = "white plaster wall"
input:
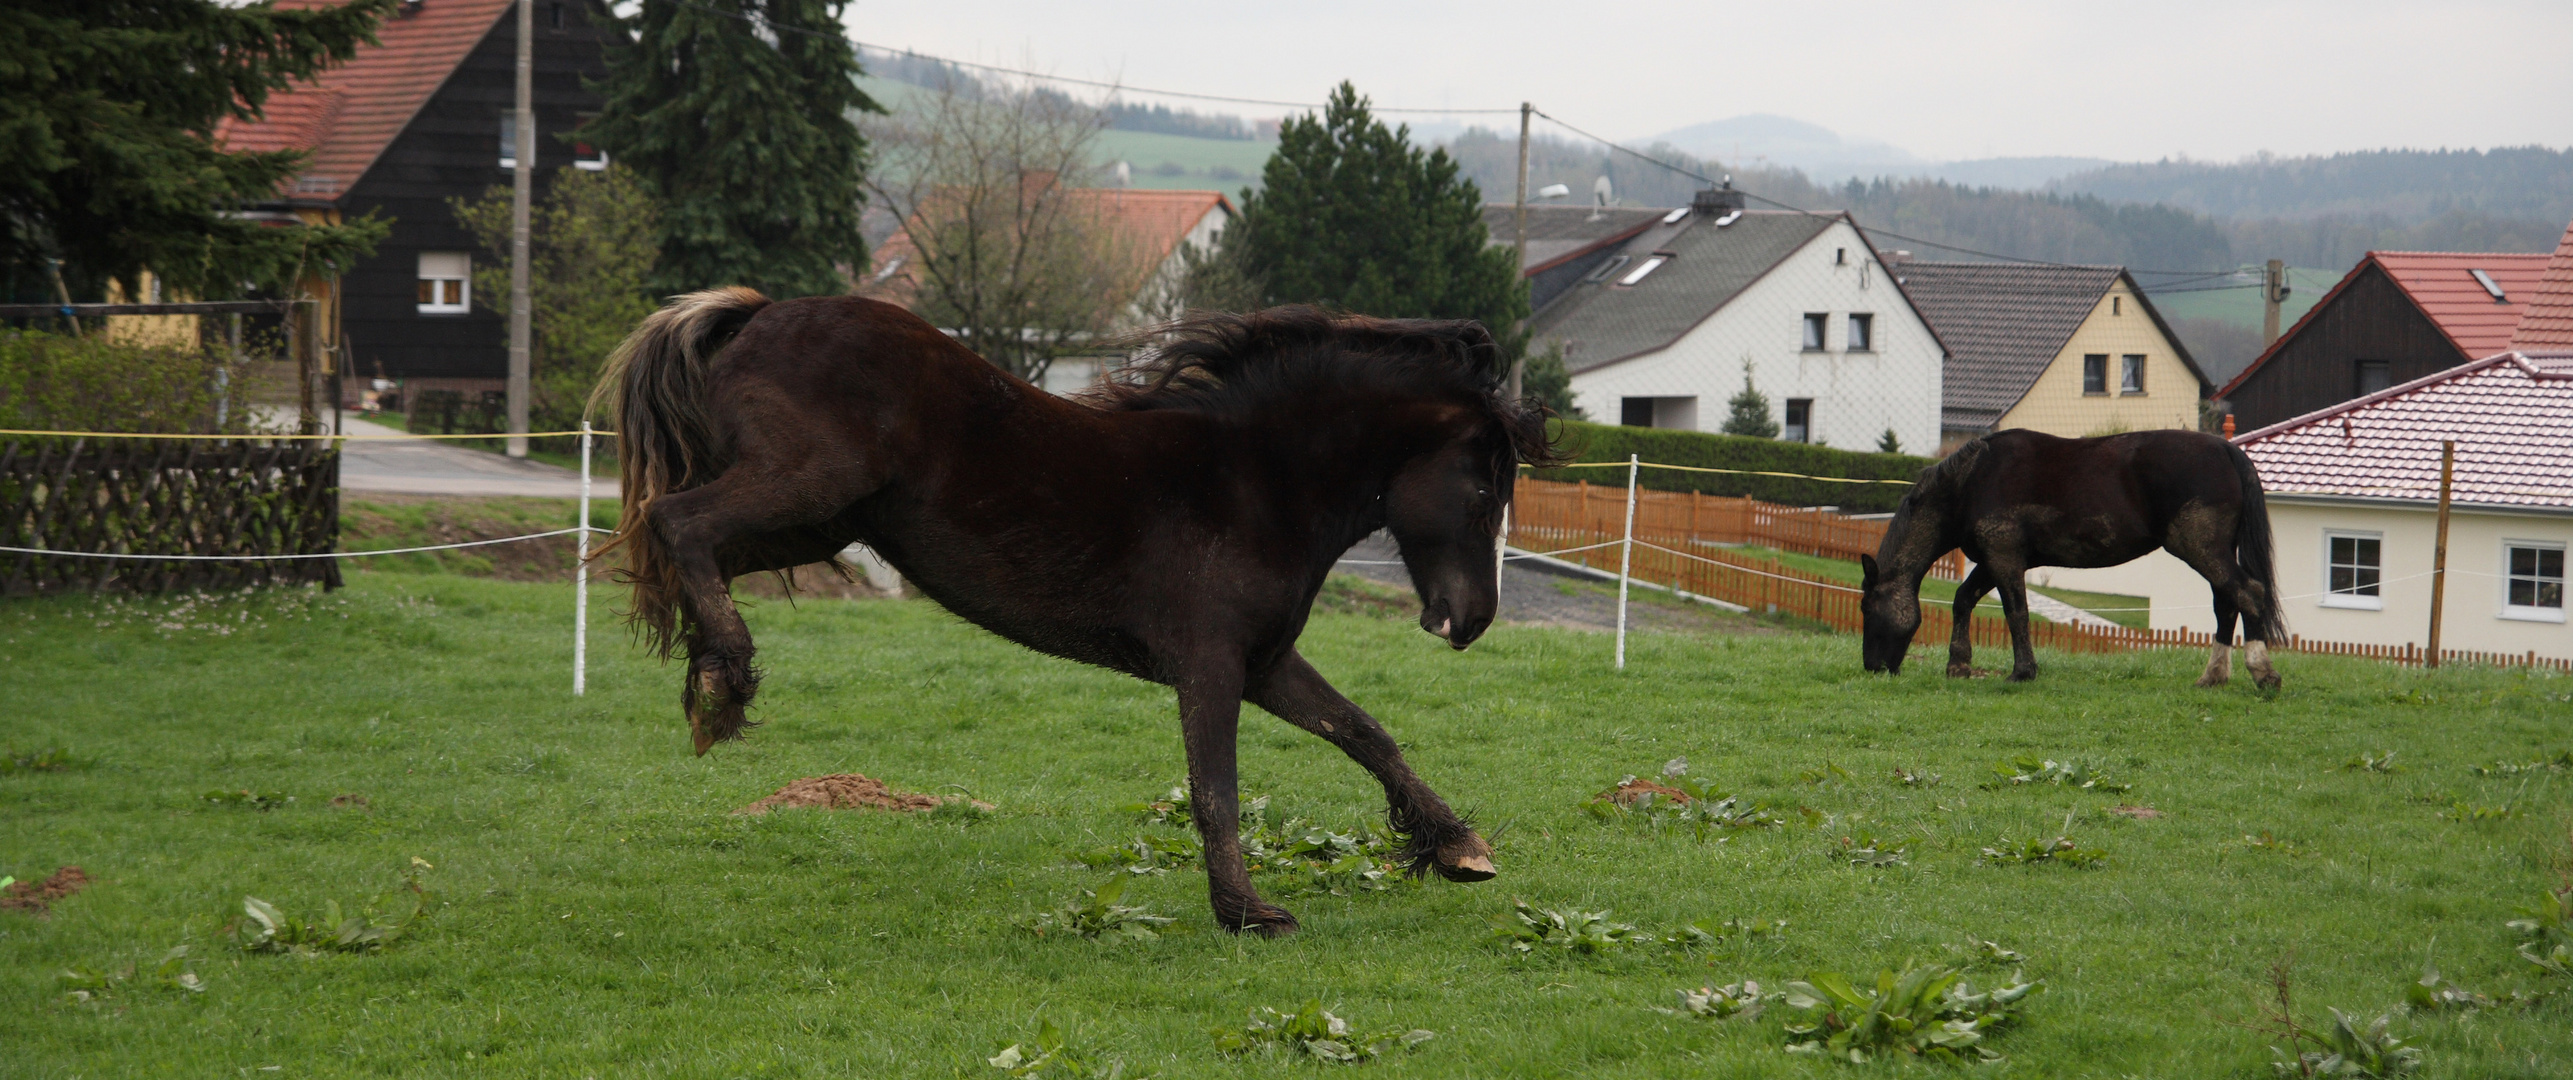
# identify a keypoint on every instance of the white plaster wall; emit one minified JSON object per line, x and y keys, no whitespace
{"x":2473,"y":618}
{"x":1857,"y":395}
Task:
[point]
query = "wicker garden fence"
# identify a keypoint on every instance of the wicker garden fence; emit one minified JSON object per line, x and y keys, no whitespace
{"x":203,"y":498}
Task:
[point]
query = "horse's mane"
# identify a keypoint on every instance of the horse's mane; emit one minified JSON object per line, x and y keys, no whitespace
{"x":1936,"y":484}
{"x":1221,"y":362}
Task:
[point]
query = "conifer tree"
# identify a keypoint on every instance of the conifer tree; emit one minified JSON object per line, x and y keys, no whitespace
{"x":107,"y":163}
{"x":1353,"y":217}
{"x":737,"y":117}
{"x":1750,"y":414}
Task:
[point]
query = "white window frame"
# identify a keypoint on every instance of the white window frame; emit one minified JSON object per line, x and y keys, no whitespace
{"x":2352,"y":601}
{"x":1862,"y":331}
{"x":464,"y":289}
{"x":2521,"y":613}
{"x":1813,"y":332}
{"x":2131,"y":364}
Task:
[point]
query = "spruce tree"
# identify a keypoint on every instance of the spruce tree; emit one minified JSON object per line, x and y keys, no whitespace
{"x":1750,"y":414}
{"x":1352,"y":216}
{"x":738,"y":116}
{"x":107,"y":163}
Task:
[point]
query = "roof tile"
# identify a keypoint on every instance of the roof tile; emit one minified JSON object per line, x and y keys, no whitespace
{"x":347,"y":116}
{"x":2548,"y":322}
{"x":2510,"y":414}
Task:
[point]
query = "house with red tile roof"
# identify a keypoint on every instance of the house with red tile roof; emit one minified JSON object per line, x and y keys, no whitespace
{"x":419,"y":118}
{"x":2548,"y":322}
{"x":1149,"y":227}
{"x":2395,"y":317}
{"x":2353,"y":493}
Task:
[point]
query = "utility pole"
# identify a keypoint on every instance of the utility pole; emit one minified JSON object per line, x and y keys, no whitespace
{"x":1519,"y":367}
{"x":2273,"y":291}
{"x":522,"y":187}
{"x":2439,"y":552}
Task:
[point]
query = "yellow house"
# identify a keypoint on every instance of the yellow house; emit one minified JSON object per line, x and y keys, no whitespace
{"x":2067,"y":350}
{"x":178,"y":331}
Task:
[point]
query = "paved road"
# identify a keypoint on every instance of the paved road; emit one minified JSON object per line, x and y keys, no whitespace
{"x":1538,"y":598}
{"x":428,"y":467}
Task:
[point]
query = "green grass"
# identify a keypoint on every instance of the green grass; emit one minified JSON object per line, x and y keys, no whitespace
{"x":1179,"y":161}
{"x":2242,"y":307}
{"x":597,"y":912}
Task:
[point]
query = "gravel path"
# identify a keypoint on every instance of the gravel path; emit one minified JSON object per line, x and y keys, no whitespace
{"x":1537,"y":597}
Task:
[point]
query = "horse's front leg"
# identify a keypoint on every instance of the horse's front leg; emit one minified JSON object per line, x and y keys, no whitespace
{"x":1961,"y":625}
{"x":1436,"y":839}
{"x":2012,"y":583}
{"x":1210,"y":714}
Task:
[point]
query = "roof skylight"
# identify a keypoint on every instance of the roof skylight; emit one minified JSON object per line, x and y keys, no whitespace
{"x":1673,"y":218}
{"x":1650,"y":265}
{"x":2490,"y":286}
{"x":1730,"y":216}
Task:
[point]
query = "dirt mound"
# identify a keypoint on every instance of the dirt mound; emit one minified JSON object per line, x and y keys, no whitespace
{"x":1625,"y":794}
{"x":842,"y":791}
{"x":2139,"y":813}
{"x":34,"y":897}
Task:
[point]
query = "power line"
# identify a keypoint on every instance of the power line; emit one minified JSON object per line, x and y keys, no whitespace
{"x":773,"y":26}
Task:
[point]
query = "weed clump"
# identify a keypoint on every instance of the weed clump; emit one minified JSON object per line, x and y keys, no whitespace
{"x":268,"y":930}
{"x":1312,"y":1032}
{"x":2024,"y":771}
{"x":1929,"y":1012}
{"x":1096,"y":914}
{"x":84,"y":987}
{"x":1678,"y":801}
{"x":40,"y":759}
{"x":1049,"y":1056}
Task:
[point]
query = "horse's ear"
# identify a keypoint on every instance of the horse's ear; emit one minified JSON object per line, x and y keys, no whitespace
{"x":1867,"y":571}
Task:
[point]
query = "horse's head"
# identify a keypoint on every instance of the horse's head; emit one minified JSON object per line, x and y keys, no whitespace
{"x":1891,"y":610}
{"x":1444,"y":508}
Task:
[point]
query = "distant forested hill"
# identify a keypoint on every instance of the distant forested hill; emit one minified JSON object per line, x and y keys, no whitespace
{"x":2409,"y":186}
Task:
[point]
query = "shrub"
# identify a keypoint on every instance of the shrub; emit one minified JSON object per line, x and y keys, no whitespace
{"x":1588,"y":442}
{"x":1929,"y":1011}
{"x":53,"y":382}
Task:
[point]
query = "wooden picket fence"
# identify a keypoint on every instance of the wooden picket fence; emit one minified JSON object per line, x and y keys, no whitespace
{"x":227,"y":496}
{"x":1555,"y":517}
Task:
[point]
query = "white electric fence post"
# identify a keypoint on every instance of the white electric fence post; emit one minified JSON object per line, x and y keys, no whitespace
{"x":1500,"y":552}
{"x":1626,"y":558}
{"x":581,"y":580}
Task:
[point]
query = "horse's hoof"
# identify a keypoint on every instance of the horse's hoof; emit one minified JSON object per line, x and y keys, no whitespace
{"x":2269,"y":682}
{"x":1960,"y":671}
{"x":2021,"y":676}
{"x":1468,"y":869}
{"x":2211,"y":681}
{"x":1266,"y":920}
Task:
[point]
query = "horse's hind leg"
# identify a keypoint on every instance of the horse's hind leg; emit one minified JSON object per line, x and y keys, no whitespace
{"x":713,"y":534}
{"x":2220,"y":664}
{"x":2206,"y":544}
{"x":1436,"y":839}
{"x":1961,"y":637}
{"x":2013,"y":586}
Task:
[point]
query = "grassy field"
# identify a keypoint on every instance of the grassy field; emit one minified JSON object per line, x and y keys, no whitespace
{"x":595,"y":910}
{"x":2110,"y":606}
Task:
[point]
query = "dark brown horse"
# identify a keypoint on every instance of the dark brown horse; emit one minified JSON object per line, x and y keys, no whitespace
{"x":1174,"y":525}
{"x":2016,"y":500}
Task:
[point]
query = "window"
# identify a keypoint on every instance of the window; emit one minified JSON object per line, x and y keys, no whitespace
{"x":1650,"y":265}
{"x":2117,"y":305}
{"x":1862,"y":333}
{"x":2370,"y":376}
{"x":1800,"y":420}
{"x":584,"y":155}
{"x":2353,"y":566}
{"x":2095,"y":374}
{"x":2533,"y":580}
{"x":1614,"y":264}
{"x":1840,"y":256}
{"x":1814,"y":324}
{"x":509,"y":139}
{"x":1678,"y":413}
{"x":445,"y":282}
{"x":556,"y":15}
{"x":2130,"y":374}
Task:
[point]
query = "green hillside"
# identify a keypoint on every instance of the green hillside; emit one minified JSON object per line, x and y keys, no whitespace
{"x":1179,"y":161}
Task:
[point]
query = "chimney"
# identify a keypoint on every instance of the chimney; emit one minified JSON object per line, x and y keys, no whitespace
{"x":1717,"y":201}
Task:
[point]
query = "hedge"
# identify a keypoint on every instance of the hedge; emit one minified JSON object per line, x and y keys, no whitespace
{"x":1610,"y":442}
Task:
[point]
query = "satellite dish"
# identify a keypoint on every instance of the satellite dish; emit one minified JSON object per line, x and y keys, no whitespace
{"x":1602,"y":192}
{"x":1553,"y":191}
{"x":1125,"y":174}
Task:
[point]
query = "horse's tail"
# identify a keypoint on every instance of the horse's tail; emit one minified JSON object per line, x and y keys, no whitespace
{"x":2253,"y":548}
{"x":653,"y":390}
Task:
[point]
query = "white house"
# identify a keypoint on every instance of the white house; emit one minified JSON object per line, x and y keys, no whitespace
{"x":1664,"y":333}
{"x":2353,"y":496}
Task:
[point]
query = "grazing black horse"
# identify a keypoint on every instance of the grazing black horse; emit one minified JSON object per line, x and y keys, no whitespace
{"x":1174,"y":525}
{"x":2015,"y":500}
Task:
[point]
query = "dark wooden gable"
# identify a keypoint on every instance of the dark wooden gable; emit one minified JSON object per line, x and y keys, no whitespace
{"x":2369,"y":318}
{"x":451,"y":149}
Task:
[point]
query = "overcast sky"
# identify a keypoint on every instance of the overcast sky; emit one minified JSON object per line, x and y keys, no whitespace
{"x":2213,"y":79}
